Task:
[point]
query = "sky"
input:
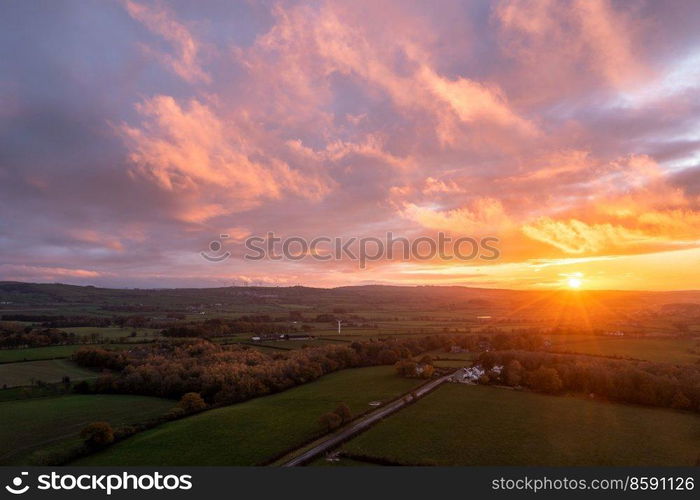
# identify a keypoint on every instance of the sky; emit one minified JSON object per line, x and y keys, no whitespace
{"x":134,"y":133}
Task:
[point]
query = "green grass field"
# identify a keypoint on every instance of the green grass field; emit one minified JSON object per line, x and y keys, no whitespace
{"x":451,"y":363}
{"x":477,"y":425}
{"x":296,"y":344}
{"x":21,"y":374}
{"x":255,"y":431}
{"x":51,"y":352}
{"x":662,"y":350}
{"x":464,"y":355}
{"x":29,"y":427}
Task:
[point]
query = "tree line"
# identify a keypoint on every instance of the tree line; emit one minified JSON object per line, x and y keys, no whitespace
{"x":639,"y":382}
{"x":14,"y":336}
{"x":229,"y":374}
{"x":220,"y":328}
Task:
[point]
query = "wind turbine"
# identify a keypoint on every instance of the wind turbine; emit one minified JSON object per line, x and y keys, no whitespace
{"x":340,"y":322}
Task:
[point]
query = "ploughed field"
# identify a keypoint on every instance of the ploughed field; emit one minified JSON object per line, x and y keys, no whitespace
{"x":480,"y":425}
{"x":259,"y":430}
{"x":30,"y":429}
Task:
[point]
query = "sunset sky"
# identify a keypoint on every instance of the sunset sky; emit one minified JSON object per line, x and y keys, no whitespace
{"x":134,"y":133}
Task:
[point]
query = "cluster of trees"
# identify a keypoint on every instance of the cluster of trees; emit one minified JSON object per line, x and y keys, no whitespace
{"x":334,"y":419}
{"x":652,"y":384}
{"x":99,"y":358}
{"x":526,"y":342}
{"x":410,"y":368}
{"x":132,"y":308}
{"x":100,"y":434}
{"x":258,"y":324}
{"x":220,"y":328}
{"x":192,"y":402}
{"x":97,"y":434}
{"x":500,"y":341}
{"x":228,"y":374}
{"x":14,"y":336}
{"x":123,"y":321}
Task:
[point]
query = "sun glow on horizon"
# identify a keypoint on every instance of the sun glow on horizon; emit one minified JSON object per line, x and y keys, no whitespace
{"x":574,"y":283}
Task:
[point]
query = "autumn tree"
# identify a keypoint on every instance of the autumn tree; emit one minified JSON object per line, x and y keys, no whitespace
{"x":680,"y":401}
{"x":192,"y":402}
{"x":176,"y":366}
{"x":405,"y":368}
{"x":343,"y":411}
{"x":546,"y":380}
{"x":654,"y":384}
{"x":330,"y":421}
{"x":97,"y":434}
{"x":388,"y":357}
{"x":513,"y":373}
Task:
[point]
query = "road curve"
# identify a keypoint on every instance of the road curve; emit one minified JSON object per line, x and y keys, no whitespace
{"x":361,"y":424}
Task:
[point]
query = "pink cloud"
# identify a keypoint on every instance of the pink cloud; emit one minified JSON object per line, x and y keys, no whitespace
{"x":213,"y":164}
{"x":567,"y":129}
{"x":158,"y":19}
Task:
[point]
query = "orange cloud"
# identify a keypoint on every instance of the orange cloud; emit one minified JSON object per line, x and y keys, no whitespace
{"x":609,"y":35}
{"x":45,"y":273}
{"x":563,"y":35}
{"x":577,"y":237}
{"x":190,"y":150}
{"x":472,"y":101}
{"x":97,"y":239}
{"x":483,"y":215}
{"x":556,"y":164}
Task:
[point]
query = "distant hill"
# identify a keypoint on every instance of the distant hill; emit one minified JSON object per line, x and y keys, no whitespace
{"x":17,"y":293}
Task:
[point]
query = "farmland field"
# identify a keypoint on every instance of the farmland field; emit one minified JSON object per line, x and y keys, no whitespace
{"x":19,"y":374}
{"x":451,"y":363}
{"x":662,"y":350}
{"x":441,"y":354}
{"x":112,"y":333}
{"x":454,"y":425}
{"x":293,"y":344}
{"x":477,"y":425}
{"x":55,"y":423}
{"x":51,"y":352}
{"x":257,"y":430}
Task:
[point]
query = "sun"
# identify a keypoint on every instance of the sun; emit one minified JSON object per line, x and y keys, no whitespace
{"x":574,"y":283}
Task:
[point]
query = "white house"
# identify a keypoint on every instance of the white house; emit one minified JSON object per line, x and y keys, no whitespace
{"x":469,"y":375}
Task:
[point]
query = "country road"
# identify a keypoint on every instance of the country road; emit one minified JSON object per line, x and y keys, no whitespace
{"x":361,"y":424}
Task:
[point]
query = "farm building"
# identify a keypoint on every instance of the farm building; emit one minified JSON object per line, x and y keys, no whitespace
{"x":296,"y":337}
{"x":469,"y":375}
{"x":281,"y":336}
{"x":472,"y":374}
